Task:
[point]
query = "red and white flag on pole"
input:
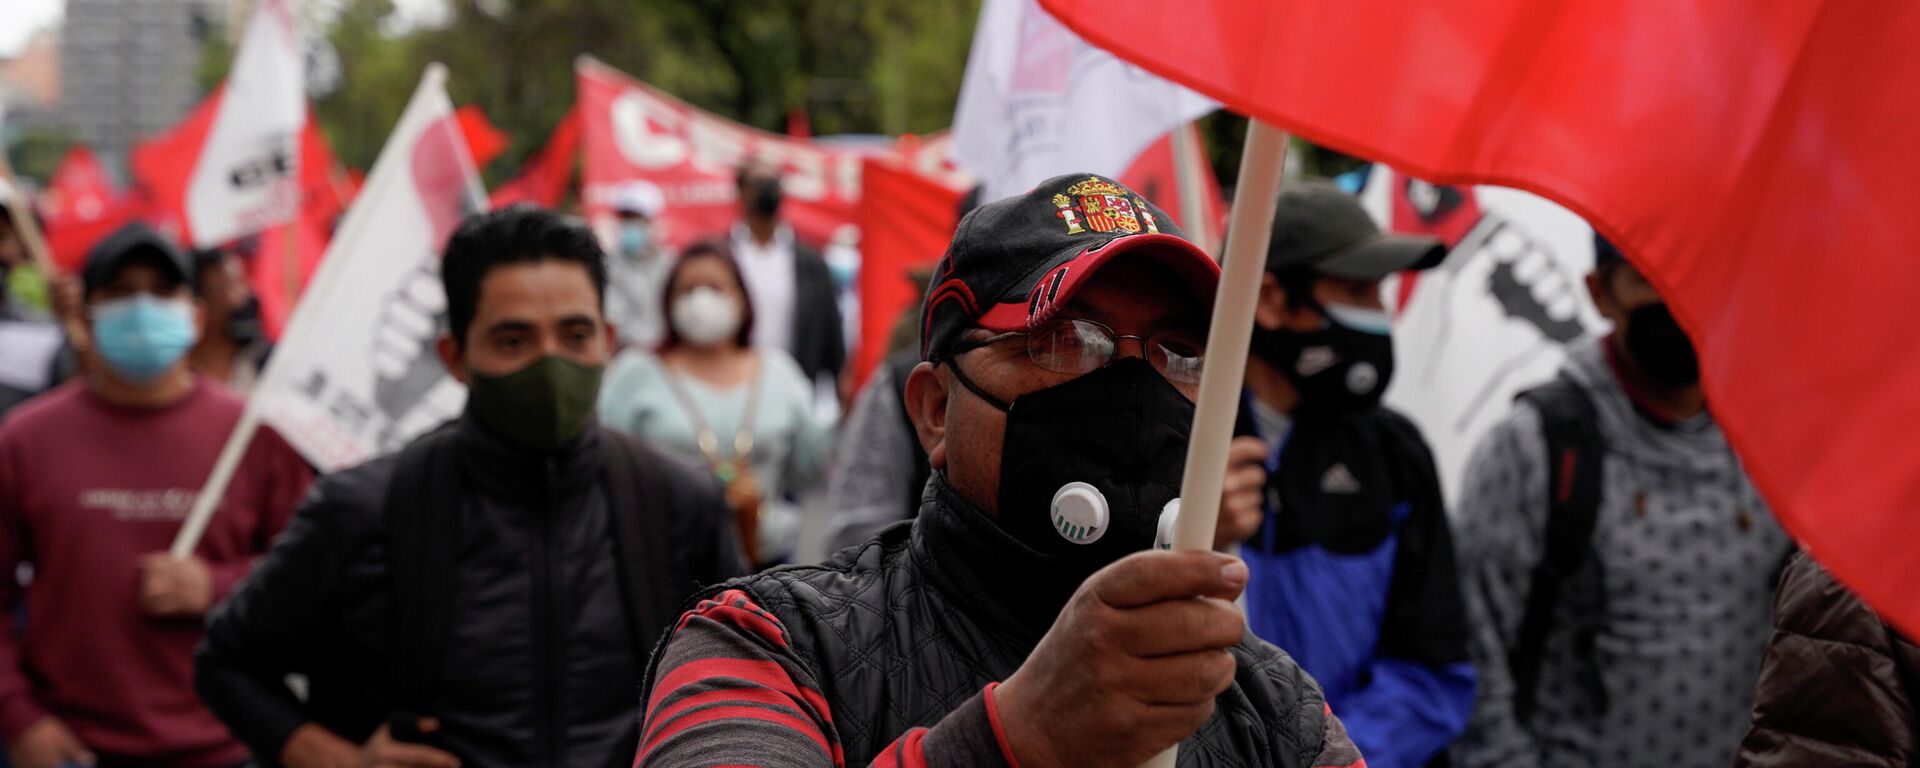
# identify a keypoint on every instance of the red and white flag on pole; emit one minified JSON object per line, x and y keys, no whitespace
{"x":1038,"y":102}
{"x":246,"y":176}
{"x":355,"y":374}
{"x":1755,"y":160}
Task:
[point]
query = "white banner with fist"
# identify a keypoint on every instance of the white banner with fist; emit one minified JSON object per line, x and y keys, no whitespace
{"x":1492,"y":319}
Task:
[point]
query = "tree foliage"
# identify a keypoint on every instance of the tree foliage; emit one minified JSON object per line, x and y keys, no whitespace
{"x":874,"y":66}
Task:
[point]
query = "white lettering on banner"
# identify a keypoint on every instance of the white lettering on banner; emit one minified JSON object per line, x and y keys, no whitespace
{"x":128,"y":505}
{"x":632,"y":114}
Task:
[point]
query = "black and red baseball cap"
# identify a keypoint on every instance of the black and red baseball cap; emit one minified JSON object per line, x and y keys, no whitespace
{"x":1014,"y":263}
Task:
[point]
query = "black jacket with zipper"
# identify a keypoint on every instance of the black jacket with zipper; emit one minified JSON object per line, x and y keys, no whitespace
{"x":540,"y":666}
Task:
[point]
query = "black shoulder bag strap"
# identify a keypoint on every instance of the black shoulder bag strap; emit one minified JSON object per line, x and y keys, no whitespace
{"x":1574,"y":454}
{"x":637,"y":504}
{"x":422,"y":517}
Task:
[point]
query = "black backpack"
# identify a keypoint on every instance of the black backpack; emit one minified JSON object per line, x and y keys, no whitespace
{"x":1575,"y":450}
{"x":423,"y":530}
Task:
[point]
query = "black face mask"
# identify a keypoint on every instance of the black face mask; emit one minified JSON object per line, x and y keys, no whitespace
{"x":1121,"y":431}
{"x":764,"y":197}
{"x":243,"y":323}
{"x":1656,"y":342}
{"x":1339,"y":368}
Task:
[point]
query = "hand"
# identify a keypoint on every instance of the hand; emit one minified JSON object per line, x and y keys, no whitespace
{"x":383,"y":752}
{"x":170,"y":587}
{"x":48,"y":744}
{"x":313,"y":746}
{"x":1132,"y":665}
{"x":1240,"y":498}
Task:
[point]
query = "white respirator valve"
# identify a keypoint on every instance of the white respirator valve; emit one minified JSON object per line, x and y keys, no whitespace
{"x":1169,"y":517}
{"x":1079,"y":513}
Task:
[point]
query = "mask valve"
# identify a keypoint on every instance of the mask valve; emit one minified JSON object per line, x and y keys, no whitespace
{"x":1079,"y":513}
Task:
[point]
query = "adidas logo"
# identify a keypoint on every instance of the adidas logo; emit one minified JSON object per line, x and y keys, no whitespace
{"x":1340,"y":480}
{"x":1313,"y":360}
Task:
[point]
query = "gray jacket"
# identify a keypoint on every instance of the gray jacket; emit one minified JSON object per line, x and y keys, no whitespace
{"x":1656,"y":640}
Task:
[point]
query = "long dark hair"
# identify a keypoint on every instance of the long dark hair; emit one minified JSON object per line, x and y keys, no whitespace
{"x":705,"y":249}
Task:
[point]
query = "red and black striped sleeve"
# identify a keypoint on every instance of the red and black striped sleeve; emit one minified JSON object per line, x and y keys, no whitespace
{"x":730,"y":691}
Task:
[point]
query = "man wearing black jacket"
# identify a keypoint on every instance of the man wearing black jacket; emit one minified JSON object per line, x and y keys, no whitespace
{"x":488,"y":596}
{"x":786,"y":280}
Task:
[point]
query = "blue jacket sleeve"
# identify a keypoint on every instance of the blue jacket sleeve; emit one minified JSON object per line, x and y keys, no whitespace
{"x":1410,"y":712}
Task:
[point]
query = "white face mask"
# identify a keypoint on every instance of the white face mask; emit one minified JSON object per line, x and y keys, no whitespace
{"x":705,"y":316}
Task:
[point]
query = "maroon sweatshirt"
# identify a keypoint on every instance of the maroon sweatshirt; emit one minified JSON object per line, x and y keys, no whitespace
{"x":86,"y":489}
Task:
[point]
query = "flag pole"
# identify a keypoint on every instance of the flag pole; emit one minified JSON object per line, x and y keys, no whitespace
{"x":1255,"y":195}
{"x":318,"y":289}
{"x":1188,"y":166}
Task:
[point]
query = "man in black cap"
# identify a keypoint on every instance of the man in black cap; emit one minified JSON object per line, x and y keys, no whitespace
{"x":95,"y":479}
{"x":1353,"y":569}
{"x":1017,"y":620}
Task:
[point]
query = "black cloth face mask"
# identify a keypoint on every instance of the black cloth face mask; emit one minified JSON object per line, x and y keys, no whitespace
{"x":1122,"y":430}
{"x":1339,"y":368}
{"x":1662,"y":349}
{"x":766,"y":196}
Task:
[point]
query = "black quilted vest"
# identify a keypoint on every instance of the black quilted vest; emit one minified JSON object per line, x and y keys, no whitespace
{"x":905,"y":628}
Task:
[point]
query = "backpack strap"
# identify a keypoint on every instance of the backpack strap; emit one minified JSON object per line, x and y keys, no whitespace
{"x":1574,"y":453}
{"x":637,"y":503}
{"x":422,"y":518}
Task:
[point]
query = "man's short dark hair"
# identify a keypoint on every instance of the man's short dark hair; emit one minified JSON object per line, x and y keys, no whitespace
{"x":517,"y":235}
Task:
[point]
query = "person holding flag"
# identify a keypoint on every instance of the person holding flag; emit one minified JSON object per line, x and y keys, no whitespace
{"x":488,"y":595}
{"x":1353,"y":567}
{"x":1017,"y":620}
{"x":32,"y":358}
{"x":95,"y":478}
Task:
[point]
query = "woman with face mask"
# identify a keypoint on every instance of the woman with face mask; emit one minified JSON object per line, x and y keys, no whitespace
{"x":745,"y":413}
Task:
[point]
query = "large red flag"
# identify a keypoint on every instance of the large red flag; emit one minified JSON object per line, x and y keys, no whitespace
{"x":1756,"y":160}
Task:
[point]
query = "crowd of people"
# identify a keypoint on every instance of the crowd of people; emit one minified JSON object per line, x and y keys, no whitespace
{"x":597,"y":563}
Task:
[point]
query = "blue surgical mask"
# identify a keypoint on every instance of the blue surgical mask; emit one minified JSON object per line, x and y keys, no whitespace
{"x":633,"y":237}
{"x":142,"y":336}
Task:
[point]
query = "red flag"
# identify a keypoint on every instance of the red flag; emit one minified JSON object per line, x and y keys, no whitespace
{"x":1752,"y":158}
{"x":81,"y":205}
{"x":1155,"y":176}
{"x":484,"y":141}
{"x":162,"y":166}
{"x":906,"y":221}
{"x":543,"y":179}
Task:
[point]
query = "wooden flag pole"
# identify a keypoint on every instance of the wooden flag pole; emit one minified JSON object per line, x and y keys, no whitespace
{"x":1228,"y":337}
{"x":1189,"y":163}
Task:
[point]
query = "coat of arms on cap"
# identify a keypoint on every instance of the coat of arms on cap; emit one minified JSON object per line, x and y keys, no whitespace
{"x":1103,"y":206}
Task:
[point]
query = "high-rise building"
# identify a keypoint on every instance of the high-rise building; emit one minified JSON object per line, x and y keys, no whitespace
{"x":128,"y":66}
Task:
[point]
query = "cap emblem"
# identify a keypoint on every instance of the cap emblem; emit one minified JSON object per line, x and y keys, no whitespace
{"x":1102,"y":206}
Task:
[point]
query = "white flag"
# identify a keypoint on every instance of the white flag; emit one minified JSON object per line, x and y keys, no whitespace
{"x":247,"y":175}
{"x":1491,"y":320}
{"x":355,"y":374}
{"x":1038,"y":102}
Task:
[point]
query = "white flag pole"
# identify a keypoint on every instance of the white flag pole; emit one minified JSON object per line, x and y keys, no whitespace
{"x":318,"y":290}
{"x":1188,"y":167}
{"x":1255,"y":196}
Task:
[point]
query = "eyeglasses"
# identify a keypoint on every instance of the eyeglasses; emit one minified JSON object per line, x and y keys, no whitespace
{"x":1075,"y":346}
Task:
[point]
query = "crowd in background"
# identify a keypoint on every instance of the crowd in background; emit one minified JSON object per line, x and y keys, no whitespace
{"x":1600,"y":595}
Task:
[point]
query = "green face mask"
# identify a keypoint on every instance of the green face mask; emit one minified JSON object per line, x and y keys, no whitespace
{"x":540,"y":407}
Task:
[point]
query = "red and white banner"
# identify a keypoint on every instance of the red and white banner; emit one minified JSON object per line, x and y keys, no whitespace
{"x":355,"y":374}
{"x":631,"y":130}
{"x":246,"y":176}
